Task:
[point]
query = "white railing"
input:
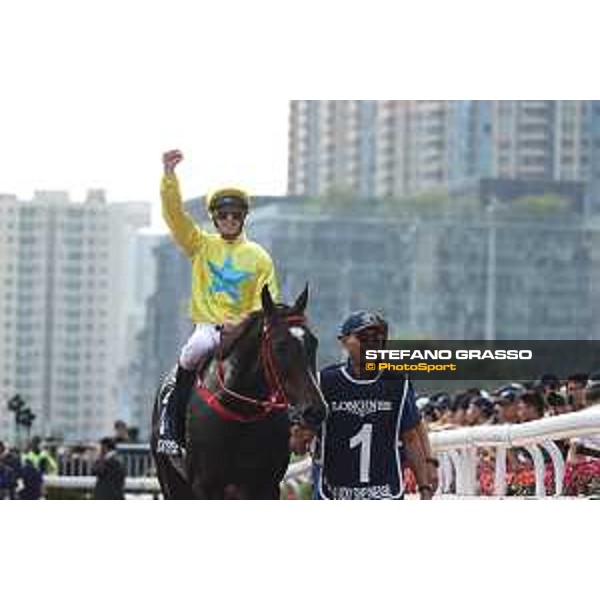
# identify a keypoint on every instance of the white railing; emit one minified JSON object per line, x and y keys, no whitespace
{"x":297,"y":473}
{"x":136,"y":458}
{"x":133,"y":485}
{"x":457,"y":450}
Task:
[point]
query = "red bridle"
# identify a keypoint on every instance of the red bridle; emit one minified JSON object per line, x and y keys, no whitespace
{"x":277,"y":398}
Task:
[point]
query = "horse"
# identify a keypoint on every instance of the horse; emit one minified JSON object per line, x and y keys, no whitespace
{"x":256,"y":385}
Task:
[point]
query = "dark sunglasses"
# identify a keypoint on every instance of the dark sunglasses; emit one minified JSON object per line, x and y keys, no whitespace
{"x":238,"y":215}
{"x":374,"y":334}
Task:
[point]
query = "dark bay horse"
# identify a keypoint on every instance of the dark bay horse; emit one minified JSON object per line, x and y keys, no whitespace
{"x":259,"y":381}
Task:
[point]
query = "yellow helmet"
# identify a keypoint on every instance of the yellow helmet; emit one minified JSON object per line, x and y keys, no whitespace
{"x":227,"y":197}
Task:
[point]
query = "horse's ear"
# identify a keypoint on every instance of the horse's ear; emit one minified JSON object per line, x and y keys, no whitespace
{"x":268,"y":305}
{"x":301,"y":301}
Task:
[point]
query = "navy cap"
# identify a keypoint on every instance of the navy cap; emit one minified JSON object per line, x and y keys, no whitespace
{"x":506,"y":397}
{"x":507,"y":394}
{"x":360,"y":320}
{"x":441,"y":401}
{"x":484,"y":405}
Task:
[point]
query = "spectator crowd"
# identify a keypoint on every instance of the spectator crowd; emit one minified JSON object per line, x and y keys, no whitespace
{"x":22,"y":473}
{"x":515,"y":403}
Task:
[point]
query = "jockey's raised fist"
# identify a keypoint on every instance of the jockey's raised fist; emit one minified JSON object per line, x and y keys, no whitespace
{"x":171,"y":159}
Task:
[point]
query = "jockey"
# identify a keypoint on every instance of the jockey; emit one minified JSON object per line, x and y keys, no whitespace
{"x":228,"y":274}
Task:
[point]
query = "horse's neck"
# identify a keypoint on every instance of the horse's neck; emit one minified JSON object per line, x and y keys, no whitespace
{"x":242,"y":362}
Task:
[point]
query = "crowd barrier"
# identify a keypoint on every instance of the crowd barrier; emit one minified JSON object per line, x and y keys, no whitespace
{"x":138,"y":466}
{"x":456,"y":449}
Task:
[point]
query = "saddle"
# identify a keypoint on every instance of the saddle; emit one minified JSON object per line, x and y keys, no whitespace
{"x":228,"y":338}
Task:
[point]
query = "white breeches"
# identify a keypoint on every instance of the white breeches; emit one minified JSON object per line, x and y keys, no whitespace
{"x":205,"y":338}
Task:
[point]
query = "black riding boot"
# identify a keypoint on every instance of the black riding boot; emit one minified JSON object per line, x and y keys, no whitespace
{"x":171,"y":436}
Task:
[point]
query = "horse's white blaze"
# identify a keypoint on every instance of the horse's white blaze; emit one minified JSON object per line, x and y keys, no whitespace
{"x":298,"y":333}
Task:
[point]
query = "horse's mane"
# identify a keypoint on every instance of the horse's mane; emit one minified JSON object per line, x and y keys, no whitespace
{"x":247,"y":325}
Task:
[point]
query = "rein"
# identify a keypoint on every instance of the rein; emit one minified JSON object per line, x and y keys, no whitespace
{"x":277,"y":398}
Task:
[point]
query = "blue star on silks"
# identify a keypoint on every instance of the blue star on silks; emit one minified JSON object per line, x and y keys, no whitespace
{"x":227,"y":278}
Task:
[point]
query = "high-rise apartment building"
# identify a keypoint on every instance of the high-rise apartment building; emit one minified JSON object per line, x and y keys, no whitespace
{"x":63,"y":313}
{"x":390,"y":148}
{"x":469,"y":273}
